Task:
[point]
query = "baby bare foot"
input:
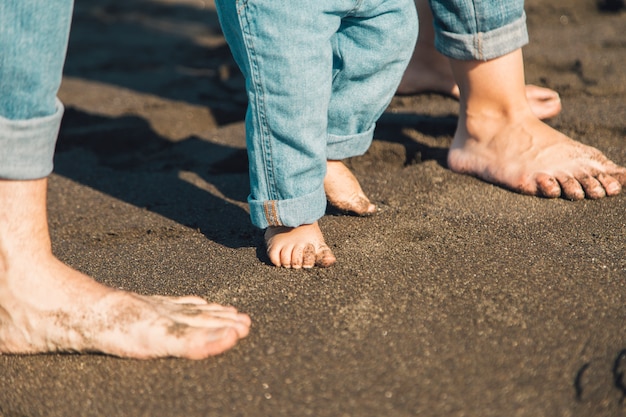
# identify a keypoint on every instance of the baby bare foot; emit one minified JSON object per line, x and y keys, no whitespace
{"x":298,"y":247}
{"x":530,"y":157}
{"x":344,"y":192}
{"x":49,"y":307}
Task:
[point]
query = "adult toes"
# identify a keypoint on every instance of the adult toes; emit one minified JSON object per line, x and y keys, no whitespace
{"x":611,"y":185}
{"x":620,"y":176}
{"x":571,"y":188}
{"x":548,"y":186}
{"x":209,"y":342}
{"x":592,"y":187}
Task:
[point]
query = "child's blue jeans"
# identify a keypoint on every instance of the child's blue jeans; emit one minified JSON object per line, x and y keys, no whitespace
{"x":319,"y":73}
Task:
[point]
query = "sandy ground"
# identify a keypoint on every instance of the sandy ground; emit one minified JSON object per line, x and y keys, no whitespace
{"x":459,"y":299}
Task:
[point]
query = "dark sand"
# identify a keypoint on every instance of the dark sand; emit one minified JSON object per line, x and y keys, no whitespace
{"x":459,"y":299}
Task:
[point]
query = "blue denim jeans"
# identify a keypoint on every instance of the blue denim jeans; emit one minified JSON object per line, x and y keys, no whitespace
{"x":319,"y":73}
{"x":479,"y":29}
{"x":33,"y":42}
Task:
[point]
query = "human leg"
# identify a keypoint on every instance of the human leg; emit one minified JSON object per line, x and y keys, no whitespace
{"x":284,"y":51}
{"x":498,"y":138}
{"x":291,"y":58}
{"x":46,"y":306}
{"x":429,"y":72}
{"x":372,"y":49}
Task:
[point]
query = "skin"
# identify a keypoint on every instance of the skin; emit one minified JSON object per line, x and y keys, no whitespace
{"x":430,"y":72}
{"x":298,"y":247}
{"x":46,"y":306}
{"x":500,"y":140}
{"x":304,"y":246}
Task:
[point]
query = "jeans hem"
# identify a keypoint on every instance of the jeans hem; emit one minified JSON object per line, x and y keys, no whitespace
{"x":293,"y":212}
{"x":483,"y":46}
{"x":28,"y":146}
{"x":347,"y":146}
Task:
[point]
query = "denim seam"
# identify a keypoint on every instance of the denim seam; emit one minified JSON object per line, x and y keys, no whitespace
{"x":260,"y":104}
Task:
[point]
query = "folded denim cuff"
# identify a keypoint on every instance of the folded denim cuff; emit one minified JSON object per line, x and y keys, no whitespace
{"x":483,"y":46}
{"x":293,"y":212}
{"x":347,"y":146}
{"x":27,"y":146}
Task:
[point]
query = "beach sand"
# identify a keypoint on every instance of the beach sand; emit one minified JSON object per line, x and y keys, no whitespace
{"x":458,"y":299}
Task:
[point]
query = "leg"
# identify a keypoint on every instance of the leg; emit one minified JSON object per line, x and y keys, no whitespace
{"x":430,"y":71}
{"x":45,"y":306}
{"x":284,"y":51}
{"x":371,"y":56}
{"x":499,"y":140}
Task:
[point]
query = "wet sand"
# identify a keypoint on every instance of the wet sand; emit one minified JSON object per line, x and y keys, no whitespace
{"x":458,"y":299}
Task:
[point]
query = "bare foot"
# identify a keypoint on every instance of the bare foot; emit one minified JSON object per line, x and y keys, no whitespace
{"x":530,"y":157}
{"x":344,"y":192}
{"x":48,"y":307}
{"x":298,"y":247}
{"x":430,"y":72}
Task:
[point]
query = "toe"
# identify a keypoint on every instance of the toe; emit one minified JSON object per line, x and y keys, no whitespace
{"x":308,"y":256}
{"x":297,"y":257}
{"x":324,"y":257}
{"x":620,"y":176}
{"x":548,"y":186}
{"x":209,"y":343}
{"x":285,"y":256}
{"x":610,"y":184}
{"x":592,"y":187}
{"x":571,"y":189}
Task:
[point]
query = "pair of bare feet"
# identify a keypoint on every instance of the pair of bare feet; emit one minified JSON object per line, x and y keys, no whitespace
{"x":499,"y":138}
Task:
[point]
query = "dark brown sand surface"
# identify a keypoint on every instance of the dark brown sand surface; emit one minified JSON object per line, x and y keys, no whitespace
{"x":458,"y":299}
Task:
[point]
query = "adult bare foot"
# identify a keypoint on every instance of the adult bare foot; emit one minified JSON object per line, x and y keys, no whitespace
{"x":298,"y":247}
{"x":344,"y":192}
{"x":530,"y":157}
{"x":499,"y":139}
{"x":46,"y":306}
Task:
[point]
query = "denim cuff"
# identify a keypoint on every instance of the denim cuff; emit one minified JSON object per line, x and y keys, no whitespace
{"x":27,"y":146}
{"x":342,"y":147}
{"x":483,"y":46}
{"x":294,"y":212}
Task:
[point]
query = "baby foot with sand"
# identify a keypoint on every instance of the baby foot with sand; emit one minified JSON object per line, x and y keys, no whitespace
{"x":344,"y":192}
{"x":298,"y":247}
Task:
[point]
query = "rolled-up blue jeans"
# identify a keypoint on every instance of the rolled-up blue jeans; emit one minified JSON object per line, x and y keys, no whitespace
{"x":319,"y":73}
{"x":33,"y":43}
{"x":479,"y":29}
